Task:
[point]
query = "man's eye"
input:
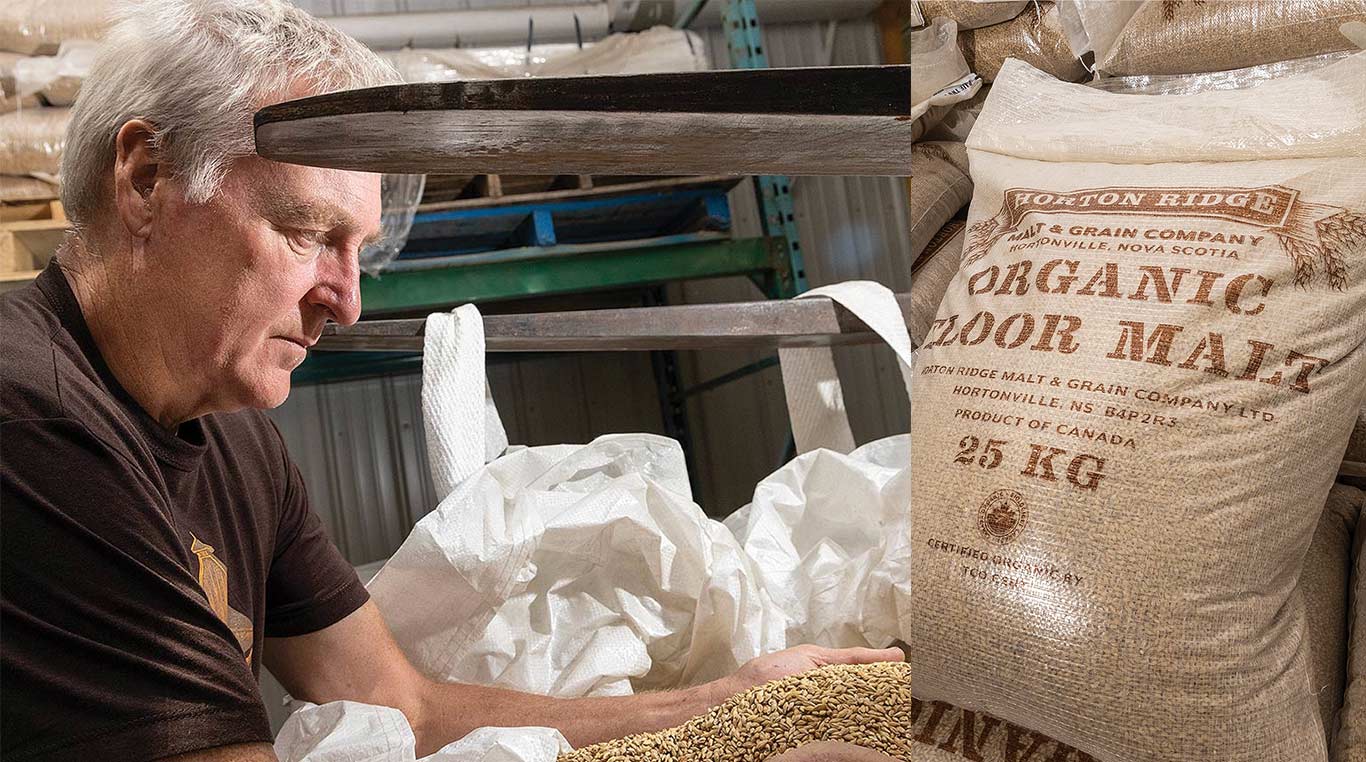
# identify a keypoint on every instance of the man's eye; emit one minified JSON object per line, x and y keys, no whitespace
{"x":307,"y":242}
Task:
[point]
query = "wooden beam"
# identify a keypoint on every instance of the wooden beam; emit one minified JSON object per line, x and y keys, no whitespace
{"x":547,"y":142}
{"x":748,"y":325}
{"x":831,"y":91}
{"x":820,"y":121}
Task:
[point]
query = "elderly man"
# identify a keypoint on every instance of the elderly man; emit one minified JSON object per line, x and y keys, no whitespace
{"x":157,"y":541}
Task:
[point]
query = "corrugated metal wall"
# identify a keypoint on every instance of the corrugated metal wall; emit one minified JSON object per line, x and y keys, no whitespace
{"x":361,"y":447}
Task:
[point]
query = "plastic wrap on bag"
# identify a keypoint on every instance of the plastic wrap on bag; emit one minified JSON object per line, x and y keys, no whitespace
{"x":31,"y":140}
{"x":955,"y":124}
{"x":659,"y":49}
{"x":939,"y":188}
{"x":399,"y":197}
{"x":1091,"y":26}
{"x":939,"y":75}
{"x":1235,"y":79}
{"x":971,"y":14}
{"x":1192,"y":37}
{"x":7,"y":61}
{"x":56,"y":79}
{"x":39,"y":27}
{"x":1035,"y":36}
{"x":1115,"y":509}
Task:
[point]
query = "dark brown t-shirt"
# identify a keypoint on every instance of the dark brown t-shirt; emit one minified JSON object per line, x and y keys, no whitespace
{"x":139,"y":568}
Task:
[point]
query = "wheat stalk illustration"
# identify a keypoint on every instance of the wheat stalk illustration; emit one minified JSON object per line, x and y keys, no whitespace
{"x":1302,"y":255}
{"x":1169,"y":8}
{"x":1339,"y":234}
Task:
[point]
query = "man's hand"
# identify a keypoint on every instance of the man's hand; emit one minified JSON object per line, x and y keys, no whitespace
{"x":800,"y":659}
{"x":357,"y":659}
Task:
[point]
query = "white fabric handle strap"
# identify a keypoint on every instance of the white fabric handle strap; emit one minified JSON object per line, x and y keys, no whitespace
{"x":815,"y":399}
{"x":463,"y":428}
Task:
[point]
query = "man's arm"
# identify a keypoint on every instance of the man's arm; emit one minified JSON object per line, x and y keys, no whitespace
{"x":245,"y":752}
{"x":357,"y":659}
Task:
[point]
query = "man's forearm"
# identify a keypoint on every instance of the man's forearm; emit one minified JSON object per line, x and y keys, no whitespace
{"x":451,"y":710}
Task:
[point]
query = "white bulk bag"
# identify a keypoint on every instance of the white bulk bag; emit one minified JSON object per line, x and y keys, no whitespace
{"x":579,"y":570}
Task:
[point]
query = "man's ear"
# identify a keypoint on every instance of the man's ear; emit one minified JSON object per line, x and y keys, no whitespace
{"x":137,"y":171}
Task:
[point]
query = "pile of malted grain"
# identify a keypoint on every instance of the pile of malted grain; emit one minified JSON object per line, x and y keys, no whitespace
{"x":867,"y":705}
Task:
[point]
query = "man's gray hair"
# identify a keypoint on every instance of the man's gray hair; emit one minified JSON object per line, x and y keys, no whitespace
{"x":197,"y":70}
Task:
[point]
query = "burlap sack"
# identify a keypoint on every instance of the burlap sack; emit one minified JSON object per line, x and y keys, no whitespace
{"x":20,"y":188}
{"x":38,"y":27}
{"x":1182,"y":37}
{"x":930,"y":276}
{"x":946,"y":733}
{"x":939,"y":188}
{"x":1325,"y":586}
{"x":939,"y":75}
{"x":1141,"y":378}
{"x":1032,"y":36}
{"x":1350,"y":745}
{"x":31,"y":140}
{"x":1356,"y":446}
{"x":971,"y":14}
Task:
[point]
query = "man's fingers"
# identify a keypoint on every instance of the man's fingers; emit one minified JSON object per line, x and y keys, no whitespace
{"x":862,"y":655}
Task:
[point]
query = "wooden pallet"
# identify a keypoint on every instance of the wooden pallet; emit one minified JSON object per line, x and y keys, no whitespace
{"x":443,"y":188}
{"x":29,"y":235}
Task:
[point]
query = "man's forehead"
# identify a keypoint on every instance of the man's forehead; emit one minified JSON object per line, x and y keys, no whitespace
{"x":323,"y":197}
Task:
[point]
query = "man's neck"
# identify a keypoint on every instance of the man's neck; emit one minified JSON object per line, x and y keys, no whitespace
{"x":106,"y":288}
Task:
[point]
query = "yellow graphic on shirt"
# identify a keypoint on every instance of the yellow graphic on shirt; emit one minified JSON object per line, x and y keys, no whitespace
{"x":213,"y":578}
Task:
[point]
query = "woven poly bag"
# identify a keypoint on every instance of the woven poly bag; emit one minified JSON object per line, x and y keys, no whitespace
{"x":939,"y":75}
{"x":946,"y":733}
{"x":931,"y":274}
{"x":1166,"y":37}
{"x":31,"y":140}
{"x":1035,"y":36}
{"x":971,"y":14}
{"x":1350,"y":743}
{"x":939,"y":189}
{"x":1356,"y":446}
{"x":956,"y":123}
{"x":1325,"y":585}
{"x":1131,"y":405}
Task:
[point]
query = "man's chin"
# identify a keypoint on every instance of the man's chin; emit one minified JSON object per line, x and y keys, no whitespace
{"x":268,"y":390}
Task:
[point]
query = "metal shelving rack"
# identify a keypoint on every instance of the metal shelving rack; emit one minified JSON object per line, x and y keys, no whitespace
{"x":773,"y":261}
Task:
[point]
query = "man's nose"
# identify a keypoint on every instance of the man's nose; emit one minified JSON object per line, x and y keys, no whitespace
{"x":338,"y":288}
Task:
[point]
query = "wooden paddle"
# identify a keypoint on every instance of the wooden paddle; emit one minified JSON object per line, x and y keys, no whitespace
{"x":817,"y":121}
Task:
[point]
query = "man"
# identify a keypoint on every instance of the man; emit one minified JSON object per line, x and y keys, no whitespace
{"x":157,"y":542}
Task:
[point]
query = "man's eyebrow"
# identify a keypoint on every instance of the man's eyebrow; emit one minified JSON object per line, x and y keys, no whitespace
{"x":296,"y":210}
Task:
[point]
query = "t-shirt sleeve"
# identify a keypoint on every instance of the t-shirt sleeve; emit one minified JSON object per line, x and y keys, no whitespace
{"x":311,"y":586}
{"x":111,"y":650}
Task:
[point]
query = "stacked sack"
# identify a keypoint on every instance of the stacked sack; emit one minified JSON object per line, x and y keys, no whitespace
{"x":46,"y":49}
{"x":993,"y":714}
